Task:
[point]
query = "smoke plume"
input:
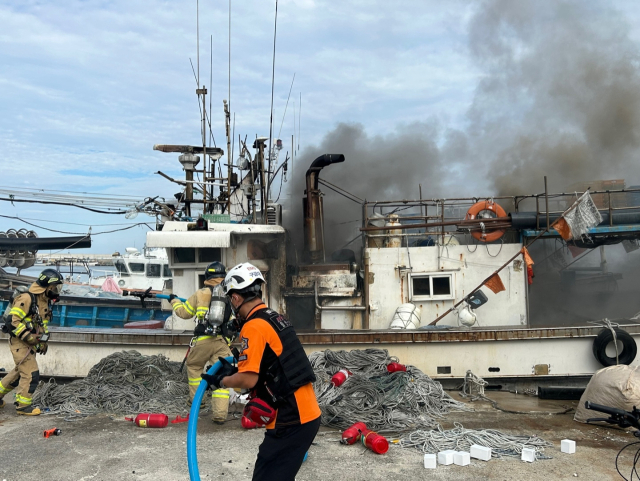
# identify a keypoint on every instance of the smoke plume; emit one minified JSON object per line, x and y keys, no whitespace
{"x":558,"y":95}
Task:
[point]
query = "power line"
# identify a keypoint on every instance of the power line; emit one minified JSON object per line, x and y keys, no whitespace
{"x":131,"y":226}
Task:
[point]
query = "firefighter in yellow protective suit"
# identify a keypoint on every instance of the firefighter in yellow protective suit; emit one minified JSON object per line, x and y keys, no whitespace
{"x":210,"y":337}
{"x":27,"y":324}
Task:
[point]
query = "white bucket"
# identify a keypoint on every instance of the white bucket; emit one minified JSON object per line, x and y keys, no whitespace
{"x":407,"y":316}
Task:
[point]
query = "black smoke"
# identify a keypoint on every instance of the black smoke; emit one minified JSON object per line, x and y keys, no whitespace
{"x":558,"y":95}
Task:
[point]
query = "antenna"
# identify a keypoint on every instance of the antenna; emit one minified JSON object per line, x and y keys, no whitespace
{"x":229,"y":92}
{"x":198,"y":37}
{"x":299,"y":115}
{"x":273,"y":72}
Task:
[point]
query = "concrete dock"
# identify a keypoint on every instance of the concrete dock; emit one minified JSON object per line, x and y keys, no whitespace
{"x":109,"y":448}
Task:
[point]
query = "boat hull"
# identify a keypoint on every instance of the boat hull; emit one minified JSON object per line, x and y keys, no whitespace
{"x":491,"y":354}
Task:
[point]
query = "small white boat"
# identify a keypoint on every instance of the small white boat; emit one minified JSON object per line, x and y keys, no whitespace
{"x":139,"y":270}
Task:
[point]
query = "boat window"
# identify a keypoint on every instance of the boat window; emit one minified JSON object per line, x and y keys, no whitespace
{"x":166,"y":272}
{"x":121,"y":267}
{"x":153,"y":270}
{"x":210,"y":254}
{"x":428,"y":287}
{"x":136,"y":267}
{"x":184,"y":255}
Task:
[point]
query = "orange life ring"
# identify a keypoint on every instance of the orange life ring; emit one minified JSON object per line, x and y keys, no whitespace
{"x":491,"y":234}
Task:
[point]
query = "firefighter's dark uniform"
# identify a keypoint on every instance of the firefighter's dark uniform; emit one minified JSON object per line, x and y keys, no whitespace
{"x":28,"y":323}
{"x":205,"y":347}
{"x":270,"y":348}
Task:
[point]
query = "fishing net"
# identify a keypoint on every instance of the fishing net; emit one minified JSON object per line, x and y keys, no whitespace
{"x":461,"y":439}
{"x":124,"y":382}
{"x":386,"y":402}
{"x":405,"y":403}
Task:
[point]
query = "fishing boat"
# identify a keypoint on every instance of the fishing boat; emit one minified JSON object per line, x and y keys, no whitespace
{"x":137,"y":270}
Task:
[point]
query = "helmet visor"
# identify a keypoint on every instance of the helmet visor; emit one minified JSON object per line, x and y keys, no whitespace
{"x":57,"y":289}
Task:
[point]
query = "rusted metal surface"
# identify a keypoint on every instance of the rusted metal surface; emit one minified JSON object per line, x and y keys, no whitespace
{"x":313,"y":217}
{"x":472,"y":335}
{"x":153,"y":337}
{"x":117,"y":336}
{"x":324,"y":268}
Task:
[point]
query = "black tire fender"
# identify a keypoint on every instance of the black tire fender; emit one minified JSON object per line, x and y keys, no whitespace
{"x":602,"y":340}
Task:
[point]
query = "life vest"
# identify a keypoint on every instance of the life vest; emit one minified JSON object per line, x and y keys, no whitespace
{"x":282,"y":375}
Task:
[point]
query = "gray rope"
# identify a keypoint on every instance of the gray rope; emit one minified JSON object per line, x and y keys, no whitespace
{"x":461,"y":439}
{"x":123,"y":383}
{"x":386,"y":402}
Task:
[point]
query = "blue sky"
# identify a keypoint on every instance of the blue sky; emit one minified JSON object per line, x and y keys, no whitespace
{"x":87,"y":87}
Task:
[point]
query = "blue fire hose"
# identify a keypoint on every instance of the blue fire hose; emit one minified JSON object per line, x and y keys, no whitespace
{"x":192,"y":456}
{"x":164,"y":296}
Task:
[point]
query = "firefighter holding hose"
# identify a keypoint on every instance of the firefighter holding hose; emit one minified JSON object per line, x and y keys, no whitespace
{"x":273,"y":364}
{"x":27,"y":325}
{"x":211,"y":337}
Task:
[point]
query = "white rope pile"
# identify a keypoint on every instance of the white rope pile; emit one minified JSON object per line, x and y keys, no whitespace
{"x":386,"y":402}
{"x":123,"y":383}
{"x":461,"y":439}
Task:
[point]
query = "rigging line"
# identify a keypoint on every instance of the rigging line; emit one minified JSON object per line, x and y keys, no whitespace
{"x":287,"y":105}
{"x":299,"y":115}
{"x":60,"y":222}
{"x":273,"y":73}
{"x":198,"y":38}
{"x":340,"y":188}
{"x":63,"y":203}
{"x":280,"y":190}
{"x":233,"y":136}
{"x":286,"y":159}
{"x":229,"y":76}
{"x":197,"y":84}
{"x":343,"y":194}
{"x":74,"y":233}
{"x":67,"y":191}
{"x":82,"y":198}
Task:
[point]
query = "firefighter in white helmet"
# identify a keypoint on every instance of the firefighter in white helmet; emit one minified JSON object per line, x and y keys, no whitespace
{"x":274,"y":366}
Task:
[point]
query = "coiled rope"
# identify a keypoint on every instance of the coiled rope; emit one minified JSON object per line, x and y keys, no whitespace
{"x":386,"y":402}
{"x":404,"y":402}
{"x":461,"y":439}
{"x":122,"y":383}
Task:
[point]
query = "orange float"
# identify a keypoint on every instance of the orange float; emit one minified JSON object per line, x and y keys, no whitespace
{"x":489,"y":235}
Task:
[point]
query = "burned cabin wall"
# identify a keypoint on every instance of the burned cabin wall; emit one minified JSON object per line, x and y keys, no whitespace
{"x":392,"y":270}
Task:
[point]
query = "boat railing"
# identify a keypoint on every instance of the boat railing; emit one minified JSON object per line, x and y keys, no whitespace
{"x":442,"y":217}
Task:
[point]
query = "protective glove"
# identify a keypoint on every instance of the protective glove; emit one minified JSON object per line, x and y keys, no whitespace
{"x":227,"y":369}
{"x":41,"y":348}
{"x":172,"y":297}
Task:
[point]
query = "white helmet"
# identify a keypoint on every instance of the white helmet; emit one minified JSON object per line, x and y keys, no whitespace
{"x":242,"y":278}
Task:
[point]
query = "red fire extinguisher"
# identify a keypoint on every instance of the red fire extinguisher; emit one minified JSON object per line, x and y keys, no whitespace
{"x":351,"y":435}
{"x":395,"y":367}
{"x":249,"y":424}
{"x":340,"y":377}
{"x":146,"y":420}
{"x":376,"y":443}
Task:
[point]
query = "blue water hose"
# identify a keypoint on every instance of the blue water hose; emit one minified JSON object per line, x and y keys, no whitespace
{"x":192,"y":455}
{"x":164,"y":296}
